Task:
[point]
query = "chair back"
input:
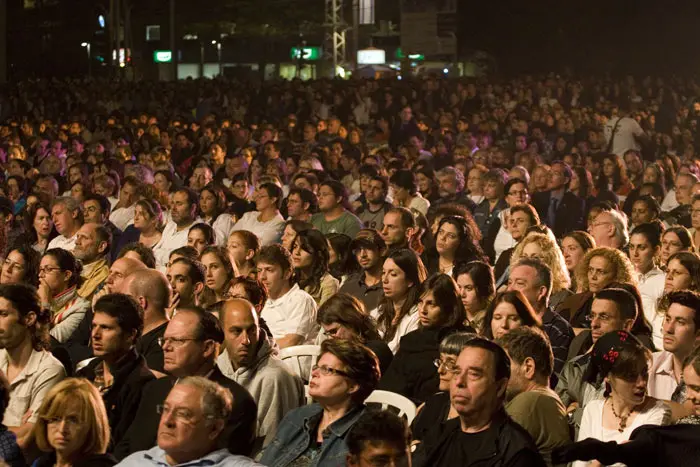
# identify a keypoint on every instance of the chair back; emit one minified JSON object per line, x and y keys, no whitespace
{"x":387,"y":399}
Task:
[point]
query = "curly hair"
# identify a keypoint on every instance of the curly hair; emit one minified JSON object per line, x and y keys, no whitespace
{"x":619,"y":177}
{"x":624,"y":270}
{"x":468,"y":248}
{"x":551,"y":256}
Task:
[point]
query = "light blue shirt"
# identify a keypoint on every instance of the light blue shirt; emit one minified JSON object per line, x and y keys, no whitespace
{"x":156,"y":457}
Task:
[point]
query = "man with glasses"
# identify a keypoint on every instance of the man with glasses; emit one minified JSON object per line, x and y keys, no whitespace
{"x":192,"y":425}
{"x":250,"y":359}
{"x":369,"y":249}
{"x":191,"y":343}
{"x":560,"y":209}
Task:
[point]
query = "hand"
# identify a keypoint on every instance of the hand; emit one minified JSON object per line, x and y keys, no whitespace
{"x":27,"y":416}
{"x":174,"y":303}
{"x":44,"y":291}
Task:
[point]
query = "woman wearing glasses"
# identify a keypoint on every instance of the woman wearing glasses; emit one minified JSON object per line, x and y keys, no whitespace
{"x":314,"y":435}
{"x":59,"y":281}
{"x":72,"y":429}
{"x":21,"y":266}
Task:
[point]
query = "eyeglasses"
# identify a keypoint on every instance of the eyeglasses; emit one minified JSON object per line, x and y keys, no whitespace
{"x":180,"y":413}
{"x":48,"y":270}
{"x":518,"y":193}
{"x":602,"y":317}
{"x":328,"y":371}
{"x":597,"y":224}
{"x":71,"y":421}
{"x":448,"y":365}
{"x":173,"y":341}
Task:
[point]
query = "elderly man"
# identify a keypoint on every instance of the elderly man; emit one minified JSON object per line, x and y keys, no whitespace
{"x":192,"y":423}
{"x":451,"y":185}
{"x":609,"y":228}
{"x":67,"y":216}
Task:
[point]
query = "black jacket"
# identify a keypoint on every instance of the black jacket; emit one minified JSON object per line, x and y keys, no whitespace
{"x":412,"y":372}
{"x":512,"y":445}
{"x":570,"y":215}
{"x":123,"y":397}
{"x":95,"y":460}
{"x":143,"y":431}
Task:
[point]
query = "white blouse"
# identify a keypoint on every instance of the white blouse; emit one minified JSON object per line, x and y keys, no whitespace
{"x":651,"y":288}
{"x":407,"y":324}
{"x":504,"y":240}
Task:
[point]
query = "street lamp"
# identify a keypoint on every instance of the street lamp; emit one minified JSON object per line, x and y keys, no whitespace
{"x":87,"y":46}
{"x":218,"y":50}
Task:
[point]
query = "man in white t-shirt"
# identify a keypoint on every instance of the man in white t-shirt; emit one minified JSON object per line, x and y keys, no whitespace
{"x":183,"y":215}
{"x":289,"y":312}
{"x":625,"y":133}
{"x":123,"y":213}
{"x":67,"y":216}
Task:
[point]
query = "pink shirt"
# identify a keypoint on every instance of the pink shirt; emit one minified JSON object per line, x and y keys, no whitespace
{"x":662,"y":381}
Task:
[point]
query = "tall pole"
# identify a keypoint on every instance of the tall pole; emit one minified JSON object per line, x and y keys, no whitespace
{"x":355,"y":32}
{"x":3,"y":41}
{"x":112,"y":27}
{"x":118,"y":34}
{"x":173,"y":47}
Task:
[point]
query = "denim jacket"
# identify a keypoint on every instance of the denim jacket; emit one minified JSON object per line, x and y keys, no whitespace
{"x":297,"y":431}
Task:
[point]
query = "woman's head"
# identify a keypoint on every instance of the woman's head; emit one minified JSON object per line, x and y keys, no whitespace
{"x":674,"y":240}
{"x":454,"y":240}
{"x":21,"y":266}
{"x":242,"y":247}
{"x":60,"y":270}
{"x":450,"y":348}
{"x":38,"y":221}
{"x":691,"y":378}
{"x":542,"y":247}
{"x":440,"y":305}
{"x":574,"y":246}
{"x":645,"y":209}
{"x":601,"y":266}
{"x":212,"y":200}
{"x":310,"y":257}
{"x":267,"y":196}
{"x":403,"y":272}
{"x":475,"y":283}
{"x":520,"y":218}
{"x":343,"y":316}
{"x":73,"y":420}
{"x":644,"y":246}
{"x":148,"y":215}
{"x":201,"y":236}
{"x":404,"y":184}
{"x":345,"y":371}
{"x":291,"y":229}
{"x":508,"y":310}
{"x":682,"y":272}
{"x":613,"y":170}
{"x":219,"y":270}
{"x":340,"y":257}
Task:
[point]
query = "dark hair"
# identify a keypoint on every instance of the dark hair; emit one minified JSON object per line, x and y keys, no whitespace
{"x":528,"y":342}
{"x":693,"y":359}
{"x":254,"y":289}
{"x":683,"y":235}
{"x":168,"y":176}
{"x":412,"y":267}
{"x":299,"y":226}
{"x":405,"y":179}
{"x":691,"y":262}
{"x":528,"y":210}
{"x":218,"y":192}
{"x":447,"y":298}
{"x":513,"y":181}
{"x":651,"y":231}
{"x":4,"y":393}
{"x":619,"y":176}
{"x":153,"y":209}
{"x":189,"y":252}
{"x":631,"y":359}
{"x":192,"y":196}
{"x":500,"y":357}
{"x":651,"y":204}
{"x":145,"y":253}
{"x":347,"y":310}
{"x":306,"y":196}
{"x":360,"y":364}
{"x":347,"y":262}
{"x":624,"y":300}
{"x":273,"y":191}
{"x":407,"y":219}
{"x":195,"y":270}
{"x":207,"y":230}
{"x":275,"y":254}
{"x":125,"y":309}
{"x":481,"y":275}
{"x":67,"y":262}
{"x":378,"y":427}
{"x":689,"y":299}
{"x":105,"y":205}
{"x":584,"y":239}
{"x":25,"y":300}
{"x":315,"y":243}
{"x":585,"y":181}
{"x":339,"y":191}
{"x":28,"y":220}
{"x":32,"y":259}
{"x":527,"y":314}
{"x":222,"y":255}
{"x":208,"y":325}
{"x":568,"y":173}
{"x":468,"y":248}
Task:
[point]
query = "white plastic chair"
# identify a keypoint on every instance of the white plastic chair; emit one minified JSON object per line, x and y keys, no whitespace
{"x":300,"y":359}
{"x":83,"y":363}
{"x":388,"y":399}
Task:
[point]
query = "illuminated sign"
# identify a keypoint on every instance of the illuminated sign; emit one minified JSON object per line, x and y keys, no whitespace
{"x":305,"y":53}
{"x":399,"y":55}
{"x":371,"y":57}
{"x":163,"y":56}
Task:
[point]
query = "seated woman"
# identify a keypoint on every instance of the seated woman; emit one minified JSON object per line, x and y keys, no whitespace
{"x":346,"y":374}
{"x":441,"y":313}
{"x":21,"y":266}
{"x":310,"y":258}
{"x":242,"y":247}
{"x":72,"y":429}
{"x":212,"y":205}
{"x":341,"y":260}
{"x":454,"y":244}
{"x":397,"y":314}
{"x":291,"y":230}
{"x":574,"y":247}
{"x":520,"y":218}
{"x":621,"y":362}
{"x":59,"y":280}
{"x":219,"y":274}
{"x":201,"y":236}
{"x":508,"y":310}
{"x":344,"y":317}
{"x":674,"y":240}
{"x":476,"y":287}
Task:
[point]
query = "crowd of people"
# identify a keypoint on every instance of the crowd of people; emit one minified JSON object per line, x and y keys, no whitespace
{"x":518,"y":258}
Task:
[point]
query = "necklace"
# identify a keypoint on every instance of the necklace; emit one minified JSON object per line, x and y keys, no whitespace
{"x":622,"y":418}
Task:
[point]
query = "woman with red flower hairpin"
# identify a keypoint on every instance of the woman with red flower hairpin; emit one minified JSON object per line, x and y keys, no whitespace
{"x":621,"y":362}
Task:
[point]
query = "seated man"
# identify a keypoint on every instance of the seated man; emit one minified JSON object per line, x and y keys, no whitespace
{"x":119,"y":371}
{"x":251,"y":359}
{"x":379,"y":438}
{"x":190,"y":345}
{"x":192,"y":426}
{"x":530,"y":401}
{"x":186,"y":276}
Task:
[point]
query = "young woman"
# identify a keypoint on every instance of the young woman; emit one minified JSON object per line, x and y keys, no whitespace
{"x":454,"y":244}
{"x":405,"y":191}
{"x":644,"y":246}
{"x":201,"y":236}
{"x":574,"y":246}
{"x":441,"y":312}
{"x":674,"y":240}
{"x":613,"y":177}
{"x":266,"y":221}
{"x":427,"y":184}
{"x":508,"y":310}
{"x":148,"y":218}
{"x":644,"y":209}
{"x":219,"y":272}
{"x":622,"y":363}
{"x":291,"y":229}
{"x":397,"y":314}
{"x":310,"y":258}
{"x":476,"y":288}
{"x":212,"y":207}
{"x":341,"y":261}
{"x":59,"y":280}
{"x":682,"y":272}
{"x":39,"y":226}
{"x":242,"y":247}
{"x":21,"y":266}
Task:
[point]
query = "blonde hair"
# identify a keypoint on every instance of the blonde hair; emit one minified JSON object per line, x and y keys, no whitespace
{"x":624,"y":270}
{"x":551,"y":256}
{"x":80,"y":394}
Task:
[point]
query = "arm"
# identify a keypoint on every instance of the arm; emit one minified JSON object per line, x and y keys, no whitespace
{"x":290,"y":340}
{"x":65,"y":329}
{"x":329,"y":287}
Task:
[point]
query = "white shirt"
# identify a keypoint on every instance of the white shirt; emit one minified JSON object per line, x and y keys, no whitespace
{"x":407,"y":324}
{"x":122,"y":217}
{"x":504,"y":239}
{"x":662,"y":380}
{"x":670,"y":203}
{"x":172,"y":239}
{"x":651,"y":288}
{"x":63,"y":242}
{"x":625,"y":135}
{"x":292,"y":313}
{"x":420,"y":204}
{"x":268,"y":232}
{"x":223,"y":226}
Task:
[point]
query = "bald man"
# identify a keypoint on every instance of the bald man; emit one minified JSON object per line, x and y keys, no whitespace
{"x":152,"y":290}
{"x":250,"y":360}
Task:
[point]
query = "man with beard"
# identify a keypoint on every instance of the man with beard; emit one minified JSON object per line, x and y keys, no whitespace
{"x":369,"y":248}
{"x":183,"y":213}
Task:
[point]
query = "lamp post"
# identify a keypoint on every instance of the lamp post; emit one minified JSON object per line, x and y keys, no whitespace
{"x":89,"y":55}
{"x":218,"y":51}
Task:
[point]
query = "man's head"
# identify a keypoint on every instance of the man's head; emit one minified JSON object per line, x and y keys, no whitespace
{"x":534,"y":279}
{"x":560,"y":175}
{"x":478,"y":389}
{"x":494,"y":184}
{"x":369,"y":249}
{"x":301,"y":202}
{"x":275,"y":269}
{"x":151,"y":289}
{"x":66,"y":215}
{"x":96,"y":209}
{"x":377,"y":189}
{"x":130,"y":191}
{"x":116,"y":326}
{"x":612,"y":310}
{"x":681,"y":325}
{"x":21,"y":318}
{"x":399,"y":227}
{"x":119,"y":270}
{"x":633,"y":161}
{"x":379,"y":438}
{"x":192,"y":419}
{"x":531,"y":359}
{"x":186,"y":277}
{"x":450,"y":182}
{"x":92,"y":242}
{"x":684,"y":188}
{"x":241,"y":326}
{"x":201,"y":177}
{"x":609,"y":229}
{"x":184,"y":207}
{"x":191,"y":342}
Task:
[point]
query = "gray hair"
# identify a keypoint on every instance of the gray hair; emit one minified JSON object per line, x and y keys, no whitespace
{"x":217,"y":401}
{"x":524,"y":174}
{"x":458,"y":175}
{"x":71,"y":204}
{"x":619,"y":220}
{"x":140,"y":171}
{"x":455,"y":343}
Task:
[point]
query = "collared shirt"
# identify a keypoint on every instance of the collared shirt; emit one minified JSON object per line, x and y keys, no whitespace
{"x":171,"y":239}
{"x":156,"y":457}
{"x":560,"y":335}
{"x":651,"y":288}
{"x":28,"y":389}
{"x":67,"y":244}
{"x":292,"y":313}
{"x":662,"y":380}
{"x":370,"y":295}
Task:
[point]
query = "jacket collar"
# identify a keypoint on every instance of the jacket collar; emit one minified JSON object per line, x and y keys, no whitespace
{"x":340,"y":426}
